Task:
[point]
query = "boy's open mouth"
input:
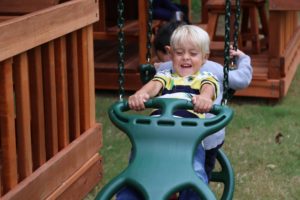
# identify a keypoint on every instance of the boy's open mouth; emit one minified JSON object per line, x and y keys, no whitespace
{"x":186,"y":66}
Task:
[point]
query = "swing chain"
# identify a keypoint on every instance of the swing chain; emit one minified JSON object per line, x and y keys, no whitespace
{"x":236,"y":30}
{"x":149,"y":31}
{"x":226,"y":52}
{"x":227,"y":92}
{"x":121,"y":49}
{"x":236,"y":24}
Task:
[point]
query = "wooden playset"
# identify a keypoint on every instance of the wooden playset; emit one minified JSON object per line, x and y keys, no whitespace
{"x":49,"y":140}
{"x":55,"y":53}
{"x":269,"y":34}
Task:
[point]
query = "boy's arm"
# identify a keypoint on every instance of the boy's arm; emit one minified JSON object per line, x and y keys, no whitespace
{"x":209,"y":91}
{"x":137,"y":100}
{"x":204,"y":101}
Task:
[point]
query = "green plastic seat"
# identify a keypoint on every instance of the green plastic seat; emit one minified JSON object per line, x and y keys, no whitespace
{"x":163,"y":149}
{"x":225,"y":176}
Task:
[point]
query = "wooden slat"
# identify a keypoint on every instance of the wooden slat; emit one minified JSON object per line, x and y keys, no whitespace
{"x":130,"y":26}
{"x":212,"y":24}
{"x":131,"y":31}
{"x":22,"y":96}
{"x":81,"y":182}
{"x":61,"y":92}
{"x":50,"y":105}
{"x":73,"y":91}
{"x":292,"y":60}
{"x":1,"y":168}
{"x":57,"y":170}
{"x":276,"y":42}
{"x":254,"y":30}
{"x":284,"y":5}
{"x":263,"y":89}
{"x":188,"y":4}
{"x":28,"y":31}
{"x":142,"y":6}
{"x":83,"y":80}
{"x":100,"y":25}
{"x":4,"y":18}
{"x":287,"y":80}
{"x":113,"y":36}
{"x":37,"y":107}
{"x":7,"y":126}
{"x":106,"y":57}
{"x":91,"y":75}
{"x":19,"y":6}
{"x":288,"y":26}
{"x":292,"y":48}
{"x":109,"y":80}
{"x":204,"y":12}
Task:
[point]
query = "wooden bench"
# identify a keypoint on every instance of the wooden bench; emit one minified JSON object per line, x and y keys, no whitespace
{"x":20,"y":7}
{"x":12,"y":8}
{"x":257,"y":36}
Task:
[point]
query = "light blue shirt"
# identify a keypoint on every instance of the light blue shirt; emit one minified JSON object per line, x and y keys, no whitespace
{"x":239,"y":78}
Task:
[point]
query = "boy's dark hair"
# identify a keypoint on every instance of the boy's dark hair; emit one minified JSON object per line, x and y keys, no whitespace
{"x":163,"y":35}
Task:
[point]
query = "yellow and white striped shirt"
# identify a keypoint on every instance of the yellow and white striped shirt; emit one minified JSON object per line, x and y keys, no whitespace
{"x":175,"y":86}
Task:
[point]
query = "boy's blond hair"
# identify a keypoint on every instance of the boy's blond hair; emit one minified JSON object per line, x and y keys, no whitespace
{"x":191,"y":33}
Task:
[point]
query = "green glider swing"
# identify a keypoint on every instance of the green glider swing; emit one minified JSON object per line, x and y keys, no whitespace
{"x":163,"y":149}
{"x":163,"y":146}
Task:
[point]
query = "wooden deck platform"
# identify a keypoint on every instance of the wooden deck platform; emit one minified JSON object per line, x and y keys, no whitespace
{"x":273,"y":68}
{"x":106,"y":71}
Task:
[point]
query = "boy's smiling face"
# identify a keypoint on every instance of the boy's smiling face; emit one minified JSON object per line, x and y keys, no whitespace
{"x":187,"y":58}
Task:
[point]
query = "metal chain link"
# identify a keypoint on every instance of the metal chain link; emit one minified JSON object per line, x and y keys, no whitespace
{"x":236,"y":29}
{"x":236,"y":24}
{"x":227,"y":60}
{"x":226,"y":52}
{"x":121,"y":50}
{"x":149,"y":30}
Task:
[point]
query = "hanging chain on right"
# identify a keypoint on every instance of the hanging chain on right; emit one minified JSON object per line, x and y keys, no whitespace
{"x":236,"y":30}
{"x":228,"y":62}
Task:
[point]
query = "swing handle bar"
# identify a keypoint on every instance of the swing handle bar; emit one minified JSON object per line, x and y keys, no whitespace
{"x":168,"y":106}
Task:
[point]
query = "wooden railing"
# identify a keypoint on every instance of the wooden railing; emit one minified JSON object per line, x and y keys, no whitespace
{"x":48,"y":131}
{"x":284,"y":42}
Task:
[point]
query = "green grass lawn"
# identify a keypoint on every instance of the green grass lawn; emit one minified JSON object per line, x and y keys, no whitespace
{"x":266,"y":165}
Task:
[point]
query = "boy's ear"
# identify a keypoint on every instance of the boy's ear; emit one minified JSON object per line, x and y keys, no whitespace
{"x":167,"y":48}
{"x":206,"y":57}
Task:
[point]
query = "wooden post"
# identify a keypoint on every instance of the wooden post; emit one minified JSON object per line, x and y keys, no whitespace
{"x":188,"y":3}
{"x":7,"y":126}
{"x":73,"y":85}
{"x":100,"y":25}
{"x":204,"y":13}
{"x":22,"y":94}
{"x":37,"y":107}
{"x":91,"y":75}
{"x":282,"y":24}
{"x":143,"y":18}
{"x":62,"y":92}
{"x":50,"y":105}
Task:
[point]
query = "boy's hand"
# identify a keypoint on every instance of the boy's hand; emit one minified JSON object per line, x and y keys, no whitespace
{"x":136,"y":101}
{"x":202,"y":103}
{"x":235,"y":52}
